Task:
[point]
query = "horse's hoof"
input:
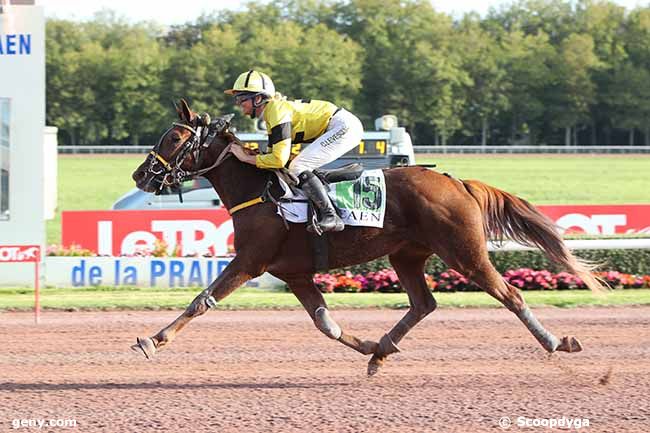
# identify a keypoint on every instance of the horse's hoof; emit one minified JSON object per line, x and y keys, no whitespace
{"x":570,"y":344}
{"x":374,"y":364}
{"x":145,"y":346}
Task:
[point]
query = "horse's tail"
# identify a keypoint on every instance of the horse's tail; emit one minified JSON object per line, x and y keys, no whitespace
{"x":506,"y":215}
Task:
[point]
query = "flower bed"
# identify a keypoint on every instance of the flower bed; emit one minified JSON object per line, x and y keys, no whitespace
{"x":160,"y":249}
{"x":72,"y":251}
{"x":386,"y":281}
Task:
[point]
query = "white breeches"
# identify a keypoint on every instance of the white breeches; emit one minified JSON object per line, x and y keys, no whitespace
{"x":342,"y":135}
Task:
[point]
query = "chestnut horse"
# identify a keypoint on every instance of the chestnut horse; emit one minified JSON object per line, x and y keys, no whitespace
{"x":426,"y":213}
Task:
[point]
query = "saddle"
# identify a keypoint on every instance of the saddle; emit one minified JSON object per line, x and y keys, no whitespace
{"x":319,"y":244}
{"x":347,"y":172}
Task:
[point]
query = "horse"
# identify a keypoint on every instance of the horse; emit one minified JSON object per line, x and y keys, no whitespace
{"x":427,"y":213}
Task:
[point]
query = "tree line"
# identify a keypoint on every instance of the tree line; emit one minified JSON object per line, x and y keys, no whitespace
{"x":531,"y":72}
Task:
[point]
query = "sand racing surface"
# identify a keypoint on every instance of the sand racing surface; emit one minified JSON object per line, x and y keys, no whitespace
{"x":461,"y":370}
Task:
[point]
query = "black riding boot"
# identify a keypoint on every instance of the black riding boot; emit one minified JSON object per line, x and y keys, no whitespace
{"x":317,"y":193}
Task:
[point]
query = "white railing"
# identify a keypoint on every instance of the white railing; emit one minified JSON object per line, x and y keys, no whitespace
{"x":104,"y":149}
{"x":530,"y":149}
{"x":491,"y":149}
{"x":587,"y":244}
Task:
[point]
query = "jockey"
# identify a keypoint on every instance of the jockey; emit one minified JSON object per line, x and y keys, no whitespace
{"x":331,"y":130}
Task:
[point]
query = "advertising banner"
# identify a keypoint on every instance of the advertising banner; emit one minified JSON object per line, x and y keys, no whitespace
{"x":20,"y":253}
{"x":133,"y":271}
{"x":210,"y":231}
{"x":127,"y":232}
{"x":600,"y":220}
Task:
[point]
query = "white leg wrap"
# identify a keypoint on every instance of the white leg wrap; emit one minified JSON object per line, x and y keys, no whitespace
{"x":546,"y":339}
{"x":326,"y":324}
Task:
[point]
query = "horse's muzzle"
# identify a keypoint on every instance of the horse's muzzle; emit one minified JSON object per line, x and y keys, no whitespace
{"x":145,"y":181}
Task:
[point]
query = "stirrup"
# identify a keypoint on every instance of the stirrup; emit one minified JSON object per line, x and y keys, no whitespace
{"x":314,"y":227}
{"x":337,"y":225}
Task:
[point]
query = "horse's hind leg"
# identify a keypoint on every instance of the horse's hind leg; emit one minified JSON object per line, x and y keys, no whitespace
{"x":473,"y":262}
{"x":409,"y":264}
{"x":310,"y":297}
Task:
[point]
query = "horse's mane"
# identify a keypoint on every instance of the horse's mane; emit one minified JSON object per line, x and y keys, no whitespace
{"x":252,"y":170}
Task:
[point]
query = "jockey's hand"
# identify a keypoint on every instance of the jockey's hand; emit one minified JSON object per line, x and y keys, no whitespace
{"x":242,"y":155}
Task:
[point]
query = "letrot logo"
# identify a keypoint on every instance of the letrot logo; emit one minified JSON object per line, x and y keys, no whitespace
{"x":19,"y":253}
{"x":126,"y":232}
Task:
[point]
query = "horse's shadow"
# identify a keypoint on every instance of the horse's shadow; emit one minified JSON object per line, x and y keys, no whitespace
{"x":17,"y":387}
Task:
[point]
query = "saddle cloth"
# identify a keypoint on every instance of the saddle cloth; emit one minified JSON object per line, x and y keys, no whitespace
{"x":360,"y":202}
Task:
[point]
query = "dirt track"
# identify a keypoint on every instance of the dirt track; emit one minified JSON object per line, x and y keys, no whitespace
{"x":460,"y":370}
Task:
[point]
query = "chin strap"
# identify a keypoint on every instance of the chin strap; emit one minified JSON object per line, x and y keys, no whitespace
{"x":256,"y":106}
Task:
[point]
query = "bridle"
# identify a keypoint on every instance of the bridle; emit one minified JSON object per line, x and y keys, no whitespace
{"x":200,"y":139}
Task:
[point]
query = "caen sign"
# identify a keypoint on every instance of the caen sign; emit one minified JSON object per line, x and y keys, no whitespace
{"x":15,"y":44}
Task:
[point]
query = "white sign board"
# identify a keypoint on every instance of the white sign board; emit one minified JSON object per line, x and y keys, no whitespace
{"x":22,"y":120}
{"x":141,"y":272}
{"x":133,"y":271}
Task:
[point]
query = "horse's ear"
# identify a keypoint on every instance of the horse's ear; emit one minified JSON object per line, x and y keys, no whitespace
{"x":185,"y":113}
{"x":178,"y":110}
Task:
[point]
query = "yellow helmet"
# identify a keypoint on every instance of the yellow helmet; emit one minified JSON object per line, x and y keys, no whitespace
{"x":253,"y":81}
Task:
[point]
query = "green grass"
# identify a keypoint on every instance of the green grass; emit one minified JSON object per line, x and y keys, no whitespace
{"x":562,"y":179}
{"x":249,"y":298}
{"x":90,"y":183}
{"x":95,"y":182}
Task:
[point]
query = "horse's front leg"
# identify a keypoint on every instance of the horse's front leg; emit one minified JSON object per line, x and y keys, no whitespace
{"x":310,"y":297}
{"x":236,"y":274}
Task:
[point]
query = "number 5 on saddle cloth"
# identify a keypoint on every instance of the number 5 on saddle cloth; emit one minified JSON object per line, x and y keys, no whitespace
{"x":358,"y":196}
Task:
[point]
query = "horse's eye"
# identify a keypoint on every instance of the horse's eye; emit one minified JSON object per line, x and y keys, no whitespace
{"x":176,"y":137}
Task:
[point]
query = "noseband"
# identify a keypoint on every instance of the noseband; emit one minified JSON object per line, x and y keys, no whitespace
{"x":200,"y":139}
